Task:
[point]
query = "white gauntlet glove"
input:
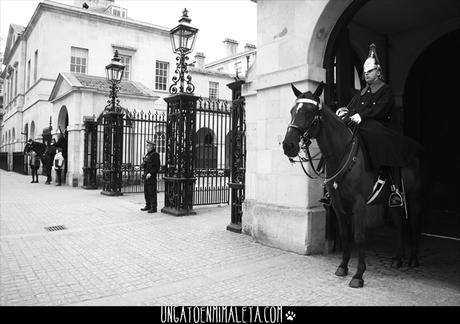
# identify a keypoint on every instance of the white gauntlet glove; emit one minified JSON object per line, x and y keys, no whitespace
{"x":341,"y":112}
{"x":356,"y":118}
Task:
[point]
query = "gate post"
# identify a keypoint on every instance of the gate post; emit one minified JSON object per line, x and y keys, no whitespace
{"x":90,"y":154}
{"x":112,"y":157}
{"x":180,"y":154}
{"x":238,"y":156}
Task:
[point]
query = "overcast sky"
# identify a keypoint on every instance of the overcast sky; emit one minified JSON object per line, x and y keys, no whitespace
{"x":216,"y":19}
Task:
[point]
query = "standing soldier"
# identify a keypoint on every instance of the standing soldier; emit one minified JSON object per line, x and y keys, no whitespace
{"x":151,"y":167}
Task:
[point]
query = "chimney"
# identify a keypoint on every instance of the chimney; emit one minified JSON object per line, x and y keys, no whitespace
{"x":199,"y":58}
{"x":248,"y":47}
{"x":230,"y":46}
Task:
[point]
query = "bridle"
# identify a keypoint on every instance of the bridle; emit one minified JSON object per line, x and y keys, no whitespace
{"x":306,"y":139}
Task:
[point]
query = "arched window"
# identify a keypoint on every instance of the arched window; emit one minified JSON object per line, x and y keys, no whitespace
{"x":160,"y":140}
{"x":32,"y":130}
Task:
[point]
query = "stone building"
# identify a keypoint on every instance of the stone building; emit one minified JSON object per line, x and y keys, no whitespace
{"x":55,"y":72}
{"x":308,"y":41}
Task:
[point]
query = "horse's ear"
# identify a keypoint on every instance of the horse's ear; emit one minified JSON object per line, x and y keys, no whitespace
{"x":319,"y":90}
{"x":297,"y":92}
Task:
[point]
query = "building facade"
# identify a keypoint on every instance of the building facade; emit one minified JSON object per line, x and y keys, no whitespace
{"x":309,"y":41}
{"x":56,"y":64}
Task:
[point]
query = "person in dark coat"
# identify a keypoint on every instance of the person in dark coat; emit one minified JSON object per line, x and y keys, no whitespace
{"x":49,"y":154}
{"x":151,"y":165}
{"x":386,"y":148}
{"x":34,"y":163}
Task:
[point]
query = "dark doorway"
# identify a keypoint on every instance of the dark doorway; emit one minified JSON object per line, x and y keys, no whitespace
{"x":431,"y":114}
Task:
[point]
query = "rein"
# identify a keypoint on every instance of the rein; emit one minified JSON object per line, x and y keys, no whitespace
{"x":305,"y":136}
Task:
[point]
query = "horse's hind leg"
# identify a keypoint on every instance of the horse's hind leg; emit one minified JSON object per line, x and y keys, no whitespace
{"x":398,"y":220}
{"x":344,"y":229}
{"x":415,"y":214}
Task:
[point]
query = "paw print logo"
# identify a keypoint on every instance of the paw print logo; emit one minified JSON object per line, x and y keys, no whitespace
{"x":290,"y":315}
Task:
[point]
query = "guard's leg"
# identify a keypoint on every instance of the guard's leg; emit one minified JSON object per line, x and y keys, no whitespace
{"x":146,"y":196}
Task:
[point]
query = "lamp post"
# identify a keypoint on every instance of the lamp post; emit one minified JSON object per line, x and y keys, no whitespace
{"x":113,"y":131}
{"x":180,"y":125}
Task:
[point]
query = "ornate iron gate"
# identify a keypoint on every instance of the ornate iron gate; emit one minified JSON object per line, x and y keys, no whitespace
{"x":137,"y":128}
{"x":212,"y":152}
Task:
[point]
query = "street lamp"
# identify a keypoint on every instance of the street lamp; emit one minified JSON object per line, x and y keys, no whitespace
{"x":114,"y":72}
{"x":182,"y":40}
{"x":180,"y":125}
{"x":113,"y":131}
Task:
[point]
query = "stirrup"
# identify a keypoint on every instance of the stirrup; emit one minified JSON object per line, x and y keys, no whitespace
{"x":395,"y":200}
{"x":378,"y":186}
{"x":326,"y":199}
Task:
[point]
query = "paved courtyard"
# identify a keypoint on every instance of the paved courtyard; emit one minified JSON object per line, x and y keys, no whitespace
{"x":111,"y":253}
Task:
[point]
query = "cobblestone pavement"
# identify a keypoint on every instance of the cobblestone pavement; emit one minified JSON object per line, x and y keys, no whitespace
{"x":111,"y":253}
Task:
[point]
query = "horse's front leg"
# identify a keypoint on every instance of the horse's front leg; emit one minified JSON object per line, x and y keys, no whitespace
{"x":359,"y":220}
{"x":344,"y":231}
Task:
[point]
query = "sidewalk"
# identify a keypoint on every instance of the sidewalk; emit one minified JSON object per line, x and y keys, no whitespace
{"x":111,"y":253}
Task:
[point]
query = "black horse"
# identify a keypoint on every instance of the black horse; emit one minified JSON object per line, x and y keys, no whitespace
{"x":349,"y":182}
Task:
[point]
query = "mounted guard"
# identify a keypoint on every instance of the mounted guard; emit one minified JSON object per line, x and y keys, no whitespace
{"x":385,"y":147}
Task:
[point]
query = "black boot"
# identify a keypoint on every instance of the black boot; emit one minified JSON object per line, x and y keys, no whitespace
{"x":153,"y":210}
{"x":145,"y":208}
{"x":396,"y":199}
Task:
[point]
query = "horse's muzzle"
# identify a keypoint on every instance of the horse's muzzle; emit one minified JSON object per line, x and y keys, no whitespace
{"x":290,"y":149}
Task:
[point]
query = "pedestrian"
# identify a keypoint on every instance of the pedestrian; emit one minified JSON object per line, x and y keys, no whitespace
{"x":48,"y":158}
{"x":34,"y":163}
{"x":58,"y":165}
{"x":151,"y":165}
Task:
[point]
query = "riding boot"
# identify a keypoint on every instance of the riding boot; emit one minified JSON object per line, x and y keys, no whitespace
{"x":379,"y":184}
{"x":326,"y":199}
{"x":395,"y":199}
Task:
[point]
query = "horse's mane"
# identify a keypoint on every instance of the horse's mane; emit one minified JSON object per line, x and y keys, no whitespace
{"x":336,"y":122}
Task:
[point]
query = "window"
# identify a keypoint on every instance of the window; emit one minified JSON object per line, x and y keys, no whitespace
{"x":119,"y":12}
{"x":213,"y":90}
{"x":28,"y":74}
{"x":16,"y":81}
{"x":35,"y":65}
{"x":160,"y":141}
{"x":161,"y":75}
{"x":126,"y":60}
{"x":79,"y":60}
{"x":238,"y":68}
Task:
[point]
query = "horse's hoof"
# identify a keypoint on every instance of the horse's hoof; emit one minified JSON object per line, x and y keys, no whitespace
{"x":396,"y":262}
{"x":341,"y":272}
{"x":356,"y":283}
{"x":413,"y":263}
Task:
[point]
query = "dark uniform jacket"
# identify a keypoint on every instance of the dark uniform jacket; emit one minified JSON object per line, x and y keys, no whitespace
{"x":380,"y":130}
{"x":151,"y":164}
{"x":49,"y":154}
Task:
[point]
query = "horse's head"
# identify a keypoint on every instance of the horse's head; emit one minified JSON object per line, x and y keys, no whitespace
{"x":305,"y":116}
{"x":28,"y":147}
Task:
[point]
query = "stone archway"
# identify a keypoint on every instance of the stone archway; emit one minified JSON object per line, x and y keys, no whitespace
{"x":431,"y":117}
{"x":340,"y":40}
